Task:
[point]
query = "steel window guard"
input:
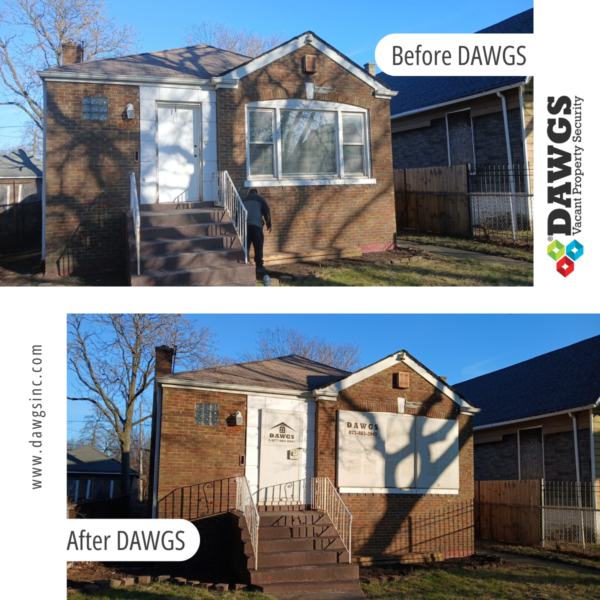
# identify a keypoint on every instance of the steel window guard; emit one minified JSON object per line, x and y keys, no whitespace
{"x":325,"y":497}
{"x":135,"y":209}
{"x":229,"y":198}
{"x":246,"y":505}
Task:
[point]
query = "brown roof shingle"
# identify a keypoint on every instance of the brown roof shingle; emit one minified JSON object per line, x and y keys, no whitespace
{"x":194,"y":62}
{"x":286,"y":372}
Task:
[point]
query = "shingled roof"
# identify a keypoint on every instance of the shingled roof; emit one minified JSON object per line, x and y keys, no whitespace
{"x":566,"y":379}
{"x":20,"y":164}
{"x":420,"y":93}
{"x":192,"y":62}
{"x":89,"y":460}
{"x":521,"y":23}
{"x":291,"y":372}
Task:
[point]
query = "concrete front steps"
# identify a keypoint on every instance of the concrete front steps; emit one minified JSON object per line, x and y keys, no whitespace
{"x":189,"y":244}
{"x":298,"y":551}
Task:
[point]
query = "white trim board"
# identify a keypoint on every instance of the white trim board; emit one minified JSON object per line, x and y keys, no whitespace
{"x":297,"y":43}
{"x":427,"y":492}
{"x":301,"y":182}
{"x":331,"y":392}
{"x":235,"y":389}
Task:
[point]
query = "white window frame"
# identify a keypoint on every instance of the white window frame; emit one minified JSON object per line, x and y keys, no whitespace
{"x":278,"y":179}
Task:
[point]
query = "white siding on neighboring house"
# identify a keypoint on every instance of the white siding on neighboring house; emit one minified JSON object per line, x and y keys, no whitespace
{"x":258,"y":403}
{"x":207,"y":99}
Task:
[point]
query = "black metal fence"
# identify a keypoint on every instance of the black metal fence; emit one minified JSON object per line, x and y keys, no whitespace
{"x":20,"y":226}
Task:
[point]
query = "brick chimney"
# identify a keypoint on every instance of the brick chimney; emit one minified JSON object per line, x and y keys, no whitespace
{"x":72,"y":53}
{"x":370,"y":68}
{"x":164,"y":361}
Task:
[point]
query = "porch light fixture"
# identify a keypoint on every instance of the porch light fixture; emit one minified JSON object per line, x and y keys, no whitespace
{"x":239,"y":419}
{"x":130,"y":111}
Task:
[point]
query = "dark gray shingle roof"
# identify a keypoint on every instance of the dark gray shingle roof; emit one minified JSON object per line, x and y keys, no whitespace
{"x":20,"y":164}
{"x":566,"y":379}
{"x":421,"y":92}
{"x":521,"y":23}
{"x":286,"y":372}
{"x":88,"y":459}
{"x":194,"y":62}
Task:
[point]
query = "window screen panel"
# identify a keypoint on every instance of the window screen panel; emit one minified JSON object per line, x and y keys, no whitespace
{"x":260,"y":124}
{"x":261,"y":159}
{"x":437,"y":453}
{"x":353,"y":128}
{"x":354,"y":160}
{"x":400,"y":444}
{"x":308,"y":143}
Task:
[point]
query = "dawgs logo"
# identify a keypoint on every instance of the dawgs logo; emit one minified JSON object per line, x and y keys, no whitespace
{"x":282,"y":435}
{"x":364,"y":429}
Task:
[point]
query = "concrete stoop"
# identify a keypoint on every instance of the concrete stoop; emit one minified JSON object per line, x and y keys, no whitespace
{"x":299,"y":552}
{"x":188,"y":244}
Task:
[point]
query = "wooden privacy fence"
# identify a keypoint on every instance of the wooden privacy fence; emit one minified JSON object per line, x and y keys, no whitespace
{"x":509,"y":511}
{"x":433,"y":200}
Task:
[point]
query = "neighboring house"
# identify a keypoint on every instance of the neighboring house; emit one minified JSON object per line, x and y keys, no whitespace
{"x":20,"y":178}
{"x":540,"y":418}
{"x":480,"y":121}
{"x":91,"y":475}
{"x":394,"y":440}
{"x":301,"y":122}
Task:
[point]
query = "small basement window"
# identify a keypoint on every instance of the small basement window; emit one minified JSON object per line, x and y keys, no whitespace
{"x":95,"y":109}
{"x":207,"y":414}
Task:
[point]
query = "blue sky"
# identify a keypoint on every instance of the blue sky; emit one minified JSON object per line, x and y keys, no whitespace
{"x":457,"y":346}
{"x":353,"y":27}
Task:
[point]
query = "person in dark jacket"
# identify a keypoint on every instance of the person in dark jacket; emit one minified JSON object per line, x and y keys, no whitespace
{"x":258,"y":209}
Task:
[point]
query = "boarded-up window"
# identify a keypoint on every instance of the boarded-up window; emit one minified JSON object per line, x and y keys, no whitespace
{"x":460,"y":138}
{"x":531,"y":453}
{"x":386,"y":450}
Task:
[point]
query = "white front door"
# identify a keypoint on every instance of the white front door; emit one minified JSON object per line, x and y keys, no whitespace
{"x":281,"y":469}
{"x":178,"y":153}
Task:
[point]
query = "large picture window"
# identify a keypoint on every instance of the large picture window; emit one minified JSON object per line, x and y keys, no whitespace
{"x":302,"y":142}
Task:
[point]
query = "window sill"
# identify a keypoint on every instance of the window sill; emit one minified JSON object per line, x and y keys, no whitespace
{"x":366,"y":490}
{"x":302,"y":182}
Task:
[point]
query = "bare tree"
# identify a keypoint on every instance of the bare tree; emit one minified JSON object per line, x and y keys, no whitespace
{"x":112,"y":358}
{"x":32,"y":33}
{"x":281,"y":341}
{"x":240,"y":41}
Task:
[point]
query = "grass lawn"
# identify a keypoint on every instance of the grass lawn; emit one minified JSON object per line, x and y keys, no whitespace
{"x":508,"y":250}
{"x":506,"y":582}
{"x":427,"y":272}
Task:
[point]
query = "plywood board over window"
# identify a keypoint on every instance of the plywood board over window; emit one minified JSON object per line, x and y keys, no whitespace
{"x":531,"y":454}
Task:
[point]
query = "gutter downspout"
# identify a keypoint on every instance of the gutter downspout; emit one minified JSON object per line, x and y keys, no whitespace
{"x":578,"y":473}
{"x":510,"y":165}
{"x":158,"y":417}
{"x":526,"y":156}
{"x":44,"y":185}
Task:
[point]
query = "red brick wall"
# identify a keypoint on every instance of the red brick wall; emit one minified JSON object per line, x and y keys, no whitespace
{"x":386,"y":524}
{"x":191,"y":453}
{"x":306,"y":217}
{"x":88,"y":164}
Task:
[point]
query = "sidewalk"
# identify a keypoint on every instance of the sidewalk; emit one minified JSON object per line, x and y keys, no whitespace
{"x":465,"y":254}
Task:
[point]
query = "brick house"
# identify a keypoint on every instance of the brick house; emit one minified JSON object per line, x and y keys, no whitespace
{"x":392,"y":443}
{"x":302,"y":123}
{"x":540,"y":418}
{"x":91,"y":476}
{"x":480,"y":121}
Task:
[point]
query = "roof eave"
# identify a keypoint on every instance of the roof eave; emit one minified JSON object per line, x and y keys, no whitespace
{"x":73,"y":77}
{"x":462,"y":99}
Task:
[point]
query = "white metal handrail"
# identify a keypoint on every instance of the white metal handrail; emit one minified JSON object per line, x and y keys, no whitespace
{"x":246,"y":505}
{"x":229,"y":198}
{"x":325,"y":497}
{"x":135,"y":209}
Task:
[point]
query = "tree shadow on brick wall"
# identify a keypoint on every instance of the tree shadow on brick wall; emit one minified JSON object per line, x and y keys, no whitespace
{"x":84,"y":229}
{"x":407,"y":525}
